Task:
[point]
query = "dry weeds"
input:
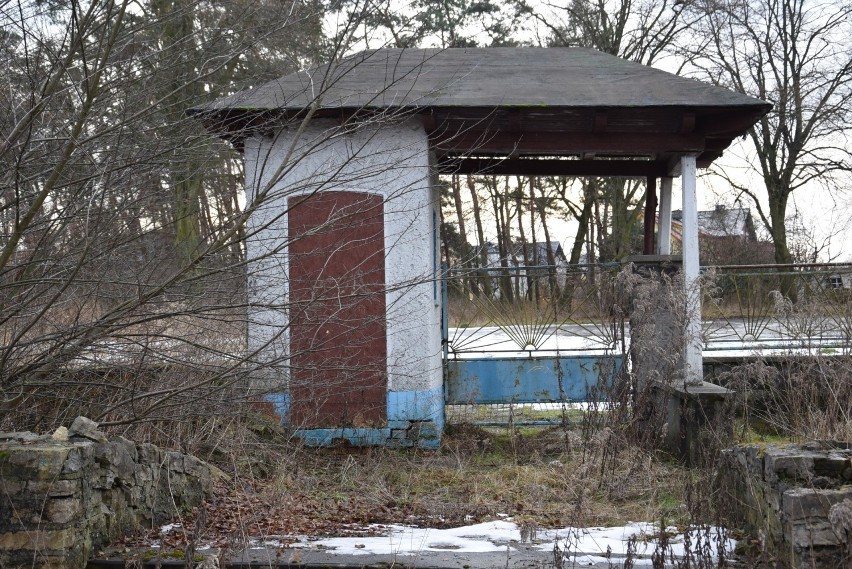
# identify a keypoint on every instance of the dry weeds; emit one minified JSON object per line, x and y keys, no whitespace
{"x":542,"y":477}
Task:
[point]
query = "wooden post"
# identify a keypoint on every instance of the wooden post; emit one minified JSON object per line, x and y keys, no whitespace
{"x":664,"y":227}
{"x":650,"y":214}
{"x":693,"y":364}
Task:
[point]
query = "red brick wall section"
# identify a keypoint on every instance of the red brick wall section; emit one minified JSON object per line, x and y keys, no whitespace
{"x":337,"y":317}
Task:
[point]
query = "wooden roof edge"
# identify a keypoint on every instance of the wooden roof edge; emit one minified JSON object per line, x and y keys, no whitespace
{"x":758,"y":106}
{"x":735,"y":120}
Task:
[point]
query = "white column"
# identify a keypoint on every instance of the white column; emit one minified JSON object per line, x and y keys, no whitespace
{"x":664,"y":227}
{"x":693,"y":372}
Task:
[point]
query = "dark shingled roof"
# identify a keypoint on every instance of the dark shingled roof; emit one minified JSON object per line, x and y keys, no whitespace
{"x":482,"y":77}
{"x":503,"y":110}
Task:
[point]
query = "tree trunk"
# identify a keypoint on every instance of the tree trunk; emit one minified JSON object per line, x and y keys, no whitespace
{"x":507,"y":228}
{"x":551,"y":259}
{"x":536,"y":261}
{"x":583,"y":228}
{"x":444,"y":240}
{"x":777,"y":215}
{"x":455,"y":186}
{"x":524,"y":252}
{"x":485,"y":279}
{"x":584,"y":221}
{"x":505,"y":281}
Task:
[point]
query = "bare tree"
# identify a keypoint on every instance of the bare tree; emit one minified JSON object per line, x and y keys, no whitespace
{"x":121,"y":261}
{"x":422,"y":23}
{"x":797,"y":55}
{"x":639,"y":30}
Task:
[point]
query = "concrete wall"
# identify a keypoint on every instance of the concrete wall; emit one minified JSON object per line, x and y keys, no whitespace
{"x":388,"y":159}
{"x":60,"y":498}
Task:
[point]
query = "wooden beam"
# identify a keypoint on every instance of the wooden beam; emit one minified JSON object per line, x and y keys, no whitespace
{"x":552,"y":167}
{"x":601,"y":120}
{"x":428,"y":121}
{"x":687,"y":123}
{"x":562,"y":143}
{"x":729,"y":124}
{"x":673,"y":168}
{"x":650,"y":214}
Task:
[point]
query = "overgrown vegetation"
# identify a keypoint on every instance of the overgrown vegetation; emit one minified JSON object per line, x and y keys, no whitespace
{"x":543,"y":477}
{"x":123,"y":265}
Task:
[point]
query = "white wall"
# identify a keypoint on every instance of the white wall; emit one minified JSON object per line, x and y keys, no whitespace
{"x":387,"y":159}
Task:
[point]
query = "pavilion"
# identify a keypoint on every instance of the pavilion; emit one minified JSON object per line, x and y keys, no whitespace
{"x":341,"y":165}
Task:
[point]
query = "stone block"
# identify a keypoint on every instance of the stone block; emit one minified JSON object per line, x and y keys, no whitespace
{"x":118,"y":457}
{"x":174,"y":461}
{"x":803,"y":535}
{"x":785,"y":464}
{"x":10,"y":486}
{"x":64,"y":510}
{"x":22,"y":437}
{"x":64,"y":489}
{"x":33,"y":462}
{"x":148,"y":454}
{"x":801,"y":503}
{"x":78,"y":455}
{"x":37,"y":540}
{"x":85,"y":428}
{"x":832,"y":465}
{"x":41,"y":489}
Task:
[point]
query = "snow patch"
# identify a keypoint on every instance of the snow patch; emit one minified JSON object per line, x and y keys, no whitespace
{"x":583,"y":546}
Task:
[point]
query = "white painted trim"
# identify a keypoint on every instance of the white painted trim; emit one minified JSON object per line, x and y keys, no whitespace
{"x":664,"y":231}
{"x":693,"y":362}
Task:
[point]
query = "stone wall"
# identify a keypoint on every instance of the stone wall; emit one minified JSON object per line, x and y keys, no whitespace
{"x":796,"y":498}
{"x":63,"y":495}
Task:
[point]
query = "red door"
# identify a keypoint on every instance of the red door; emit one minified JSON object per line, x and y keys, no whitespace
{"x":337,"y":318}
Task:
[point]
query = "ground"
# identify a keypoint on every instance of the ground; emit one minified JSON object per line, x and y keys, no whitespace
{"x":540,"y":477}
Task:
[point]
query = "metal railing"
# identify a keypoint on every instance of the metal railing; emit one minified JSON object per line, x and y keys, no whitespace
{"x":550,"y":316}
{"x":518,"y":310}
{"x":778,"y":307}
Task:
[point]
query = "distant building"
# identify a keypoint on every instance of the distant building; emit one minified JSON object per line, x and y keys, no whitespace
{"x":839,"y":280}
{"x":726,"y":236}
{"x":536,"y":254}
{"x":525,"y":269}
{"x":719,"y":222}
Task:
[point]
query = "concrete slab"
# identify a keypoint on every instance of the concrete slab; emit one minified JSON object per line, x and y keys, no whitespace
{"x":521,"y":556}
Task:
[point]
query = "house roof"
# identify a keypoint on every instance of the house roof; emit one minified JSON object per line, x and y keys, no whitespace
{"x":722,"y":222}
{"x":536,"y":252}
{"x":508,"y":104}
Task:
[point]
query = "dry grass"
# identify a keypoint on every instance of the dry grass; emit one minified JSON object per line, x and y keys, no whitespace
{"x":798,"y":398}
{"x":543,"y":476}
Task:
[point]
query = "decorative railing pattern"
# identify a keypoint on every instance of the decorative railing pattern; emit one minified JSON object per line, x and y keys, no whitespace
{"x":513,"y":311}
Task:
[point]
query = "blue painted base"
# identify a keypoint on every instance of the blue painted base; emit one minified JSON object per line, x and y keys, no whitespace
{"x":528,"y":380}
{"x":415,"y":419}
